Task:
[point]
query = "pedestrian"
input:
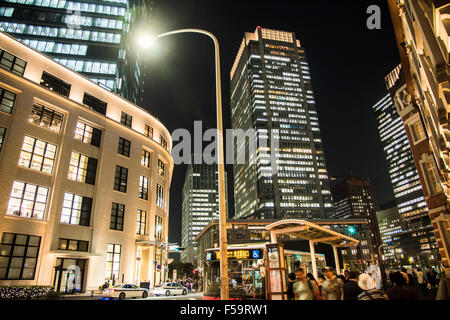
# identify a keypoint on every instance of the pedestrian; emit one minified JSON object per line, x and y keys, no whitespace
{"x":332,"y":287}
{"x":431,"y":276}
{"x":290,"y":286}
{"x":400,"y":290}
{"x":422,"y":282}
{"x":346,"y":275}
{"x":320,"y":280}
{"x":305,"y":289}
{"x":369,"y":289}
{"x":310,"y":277}
{"x":351,"y":288}
{"x":188,"y":286}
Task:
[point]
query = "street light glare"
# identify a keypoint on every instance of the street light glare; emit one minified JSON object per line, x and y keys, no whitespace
{"x":146,"y":41}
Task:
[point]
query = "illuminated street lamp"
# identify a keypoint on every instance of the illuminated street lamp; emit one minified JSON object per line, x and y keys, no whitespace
{"x":147,"y":41}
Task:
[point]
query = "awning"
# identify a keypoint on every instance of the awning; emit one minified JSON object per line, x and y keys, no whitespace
{"x":310,"y":231}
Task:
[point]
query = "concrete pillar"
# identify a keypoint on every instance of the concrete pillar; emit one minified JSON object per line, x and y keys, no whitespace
{"x":273,"y":237}
{"x":313,"y":258}
{"x":336,"y":260}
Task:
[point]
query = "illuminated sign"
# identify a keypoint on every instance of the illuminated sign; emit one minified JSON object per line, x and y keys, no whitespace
{"x":236,"y":254}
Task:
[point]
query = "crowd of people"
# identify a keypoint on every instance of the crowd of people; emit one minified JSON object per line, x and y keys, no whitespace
{"x":402,"y":284}
{"x":192,"y":285}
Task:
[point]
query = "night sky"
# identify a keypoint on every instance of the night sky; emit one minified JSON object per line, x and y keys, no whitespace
{"x":347,"y":61}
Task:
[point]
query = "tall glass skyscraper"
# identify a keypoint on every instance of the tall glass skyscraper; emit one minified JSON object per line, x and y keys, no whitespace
{"x":404,"y":177}
{"x":92,"y":37}
{"x":200,"y":205}
{"x":417,"y":236}
{"x":271,"y":93}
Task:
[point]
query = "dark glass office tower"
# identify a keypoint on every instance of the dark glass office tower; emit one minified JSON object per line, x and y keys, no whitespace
{"x":271,"y":92}
{"x":92,"y":37}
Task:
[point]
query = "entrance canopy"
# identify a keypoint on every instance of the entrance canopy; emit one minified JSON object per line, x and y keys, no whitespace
{"x":309,"y":231}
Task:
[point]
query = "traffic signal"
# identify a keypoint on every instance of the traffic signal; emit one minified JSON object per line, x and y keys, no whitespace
{"x":351,"y":230}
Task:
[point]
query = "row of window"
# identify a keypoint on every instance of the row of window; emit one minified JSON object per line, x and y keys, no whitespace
{"x":56,"y":47}
{"x":29,"y":200}
{"x":89,"y":66}
{"x":76,"y":6}
{"x":51,"y":119}
{"x":62,"y":33}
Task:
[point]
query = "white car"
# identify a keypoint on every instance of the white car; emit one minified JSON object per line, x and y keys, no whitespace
{"x":123,"y":291}
{"x":168,"y":289}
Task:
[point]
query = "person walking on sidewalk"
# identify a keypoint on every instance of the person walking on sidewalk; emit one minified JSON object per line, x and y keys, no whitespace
{"x":332,"y":287}
{"x":305,"y":289}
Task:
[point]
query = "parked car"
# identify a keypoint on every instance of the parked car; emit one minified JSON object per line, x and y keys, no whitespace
{"x":168,"y":289}
{"x":123,"y":291}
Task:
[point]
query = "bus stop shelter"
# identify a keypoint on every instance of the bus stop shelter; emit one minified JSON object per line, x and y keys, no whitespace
{"x":302,"y":229}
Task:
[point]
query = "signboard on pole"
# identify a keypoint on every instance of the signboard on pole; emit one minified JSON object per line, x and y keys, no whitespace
{"x":276,"y":283}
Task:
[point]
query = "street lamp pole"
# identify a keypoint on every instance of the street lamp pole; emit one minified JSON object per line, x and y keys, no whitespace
{"x":221,"y":164}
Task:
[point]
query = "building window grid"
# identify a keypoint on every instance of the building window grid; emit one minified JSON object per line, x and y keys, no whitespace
{"x":46,"y":117}
{"x":112,"y":261}
{"x":7,"y":99}
{"x":124,"y":147}
{"x":158,"y":227}
{"x":160,"y":168}
{"x":120,"y":180}
{"x":12,"y":63}
{"x":117,"y":216}
{"x":87,"y":134}
{"x":126,"y":119}
{"x":19,"y":256}
{"x":159,"y":196}
{"x":37,"y":155}
{"x":145,"y":158}
{"x":27,"y":200}
{"x":143,"y":188}
{"x":76,"y":209}
{"x":55,"y":84}
{"x":73,"y":245}
{"x":141,"y":222}
{"x":148,"y":131}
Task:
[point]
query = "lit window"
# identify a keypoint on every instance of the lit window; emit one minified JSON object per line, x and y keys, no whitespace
{"x":163,"y":142}
{"x":37,"y":155}
{"x":145,"y":158}
{"x":148,"y":131}
{"x":112,"y":262}
{"x":73,"y":245}
{"x":27,"y":200}
{"x":88,"y":134}
{"x":158,"y":227}
{"x":159,"y":196}
{"x":55,"y":84}
{"x":417,"y":131}
{"x":141,"y":222}
{"x":76,"y":209}
{"x":161,"y":168}
{"x":82,"y":168}
{"x":46,"y":118}
{"x":143,"y":188}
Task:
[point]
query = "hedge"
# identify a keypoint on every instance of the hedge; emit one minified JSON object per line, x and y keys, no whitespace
{"x":24,"y":292}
